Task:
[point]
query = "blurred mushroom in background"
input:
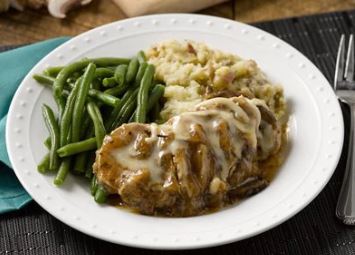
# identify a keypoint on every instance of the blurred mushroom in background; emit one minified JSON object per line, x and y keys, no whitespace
{"x":141,"y":7}
{"x":57,"y":8}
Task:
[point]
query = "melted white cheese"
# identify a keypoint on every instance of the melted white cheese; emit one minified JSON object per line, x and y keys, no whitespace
{"x":242,"y":125}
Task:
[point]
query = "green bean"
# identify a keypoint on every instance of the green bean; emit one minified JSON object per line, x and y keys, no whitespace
{"x":104,"y":98}
{"x":103,"y":72}
{"x":77,"y":147}
{"x":133,"y":117}
{"x":81,"y":159}
{"x":78,"y":66}
{"x":80,"y":163}
{"x":142,"y":98}
{"x":53,"y":71}
{"x":141,"y":57}
{"x":120,"y":74}
{"x":155,"y":113}
{"x":93,"y":185}
{"x":64,"y":74}
{"x":89,"y":169}
{"x":71,"y":80}
{"x":132,"y":70}
{"x":62,"y":172}
{"x":76,"y":75}
{"x":109,"y":82}
{"x":116,"y":110}
{"x":115,"y":91}
{"x":126,"y":113}
{"x":140,"y":74}
{"x":46,"y":80}
{"x":83,"y":90}
{"x":119,"y":79}
{"x":87,"y":127}
{"x":60,"y":103}
{"x":61,"y":80}
{"x":95,"y":84}
{"x":153,"y":104}
{"x":73,"y":77}
{"x":154,"y":96}
{"x":103,"y":62}
{"x":53,"y":129}
{"x":65,"y":95}
{"x":96,"y":117}
{"x":125,"y":109}
{"x":47,"y":142}
{"x":68,"y":114}
{"x":107,"y":99}
{"x":43,"y":79}
{"x":43,"y":166}
{"x":100,"y":194}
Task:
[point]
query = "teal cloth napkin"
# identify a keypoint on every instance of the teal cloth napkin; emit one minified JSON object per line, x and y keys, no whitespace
{"x":15,"y":64}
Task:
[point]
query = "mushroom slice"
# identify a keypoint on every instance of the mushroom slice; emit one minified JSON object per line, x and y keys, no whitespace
{"x":59,"y":8}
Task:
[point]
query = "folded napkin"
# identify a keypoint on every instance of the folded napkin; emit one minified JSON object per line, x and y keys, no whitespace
{"x":15,"y":64}
{"x":140,"y":7}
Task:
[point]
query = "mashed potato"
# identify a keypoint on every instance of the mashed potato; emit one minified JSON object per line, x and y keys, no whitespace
{"x":193,"y":72}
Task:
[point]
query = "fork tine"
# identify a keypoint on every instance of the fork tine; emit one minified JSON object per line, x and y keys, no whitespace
{"x":349,"y":67}
{"x":339,"y":68}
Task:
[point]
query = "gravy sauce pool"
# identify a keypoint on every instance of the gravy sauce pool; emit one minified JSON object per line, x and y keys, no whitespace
{"x":272,"y":164}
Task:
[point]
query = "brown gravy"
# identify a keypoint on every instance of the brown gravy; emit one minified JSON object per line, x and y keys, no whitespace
{"x":198,"y":162}
{"x":271,"y":167}
{"x":273,"y":163}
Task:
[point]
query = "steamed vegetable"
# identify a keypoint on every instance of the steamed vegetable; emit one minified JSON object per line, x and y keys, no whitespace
{"x":94,"y":96}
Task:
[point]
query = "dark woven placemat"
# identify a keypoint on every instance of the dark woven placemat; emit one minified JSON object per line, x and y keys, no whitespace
{"x":315,"y":230}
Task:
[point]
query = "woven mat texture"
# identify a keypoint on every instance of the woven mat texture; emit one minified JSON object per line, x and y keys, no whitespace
{"x":314,"y":230}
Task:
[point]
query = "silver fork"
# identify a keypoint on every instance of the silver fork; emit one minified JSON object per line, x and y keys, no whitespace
{"x":344,"y":86}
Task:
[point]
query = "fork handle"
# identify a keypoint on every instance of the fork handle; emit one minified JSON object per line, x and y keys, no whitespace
{"x":345,"y":209}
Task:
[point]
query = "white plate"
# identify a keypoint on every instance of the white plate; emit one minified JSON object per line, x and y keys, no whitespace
{"x":316,"y":135}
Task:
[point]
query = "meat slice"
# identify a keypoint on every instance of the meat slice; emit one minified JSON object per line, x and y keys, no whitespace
{"x":193,"y":163}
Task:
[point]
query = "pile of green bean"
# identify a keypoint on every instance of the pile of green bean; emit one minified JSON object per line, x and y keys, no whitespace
{"x":94,"y":96}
